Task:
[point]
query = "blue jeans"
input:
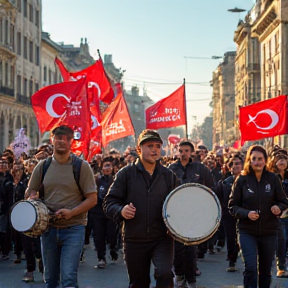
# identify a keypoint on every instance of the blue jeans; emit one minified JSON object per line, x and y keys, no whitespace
{"x":61,"y":250}
{"x":264,"y":247}
{"x":282,"y":244}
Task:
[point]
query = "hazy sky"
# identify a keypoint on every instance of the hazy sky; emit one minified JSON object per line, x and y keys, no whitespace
{"x":150,"y":38}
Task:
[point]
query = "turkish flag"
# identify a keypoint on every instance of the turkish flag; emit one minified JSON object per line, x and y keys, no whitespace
{"x":264,"y":119}
{"x":50,"y":103}
{"x":78,"y":117}
{"x":116,"y":121}
{"x":168,"y":112}
{"x":96,"y":77}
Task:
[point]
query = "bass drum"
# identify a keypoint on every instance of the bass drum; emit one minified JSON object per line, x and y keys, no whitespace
{"x":30,"y":217}
{"x":192,"y":213}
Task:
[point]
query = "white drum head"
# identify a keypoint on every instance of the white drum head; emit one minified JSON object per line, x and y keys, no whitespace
{"x":192,"y":212}
{"x":23,"y":216}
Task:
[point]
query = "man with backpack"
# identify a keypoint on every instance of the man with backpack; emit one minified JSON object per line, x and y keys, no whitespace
{"x":69,"y":194}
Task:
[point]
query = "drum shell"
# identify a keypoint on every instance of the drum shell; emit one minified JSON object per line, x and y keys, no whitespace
{"x":215,"y":216}
{"x":42,"y":217}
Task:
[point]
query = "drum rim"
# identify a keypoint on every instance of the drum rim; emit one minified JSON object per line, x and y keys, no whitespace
{"x":30,"y":203}
{"x":188,"y":240}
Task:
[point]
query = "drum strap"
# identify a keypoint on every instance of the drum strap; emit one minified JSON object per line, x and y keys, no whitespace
{"x":76,"y":163}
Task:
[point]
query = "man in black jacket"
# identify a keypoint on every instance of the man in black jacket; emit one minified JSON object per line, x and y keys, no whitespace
{"x":188,"y":172}
{"x":137,"y":196}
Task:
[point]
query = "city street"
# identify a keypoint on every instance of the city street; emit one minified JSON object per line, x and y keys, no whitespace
{"x":213,"y":268}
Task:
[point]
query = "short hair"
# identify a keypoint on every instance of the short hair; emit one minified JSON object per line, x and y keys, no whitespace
{"x":63,"y":130}
{"x":202,"y":147}
{"x":187,"y":143}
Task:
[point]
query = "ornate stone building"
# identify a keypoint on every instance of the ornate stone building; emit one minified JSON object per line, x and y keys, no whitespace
{"x":261,"y":62}
{"x":20,"y":41}
{"x":223,"y":100}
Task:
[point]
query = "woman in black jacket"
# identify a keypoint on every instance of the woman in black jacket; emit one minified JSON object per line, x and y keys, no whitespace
{"x":256,"y":200}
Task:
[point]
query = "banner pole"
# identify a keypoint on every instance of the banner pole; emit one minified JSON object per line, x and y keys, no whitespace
{"x":185,"y":107}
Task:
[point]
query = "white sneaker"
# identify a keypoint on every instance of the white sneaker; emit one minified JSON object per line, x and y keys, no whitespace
{"x":101,"y":264}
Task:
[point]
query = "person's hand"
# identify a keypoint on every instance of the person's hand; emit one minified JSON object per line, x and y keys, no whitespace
{"x":253,"y":215}
{"x":128,"y":211}
{"x":275,"y":210}
{"x":34,"y":195}
{"x":64,"y":214}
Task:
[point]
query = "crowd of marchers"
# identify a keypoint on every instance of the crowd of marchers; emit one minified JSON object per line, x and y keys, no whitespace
{"x":251,"y":185}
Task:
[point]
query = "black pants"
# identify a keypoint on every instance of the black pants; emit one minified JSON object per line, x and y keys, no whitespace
{"x":104,"y":231}
{"x":138,"y":257}
{"x":5,"y":242}
{"x":231,"y":237}
{"x":17,"y":241}
{"x":185,"y":261}
{"x":32,"y":250}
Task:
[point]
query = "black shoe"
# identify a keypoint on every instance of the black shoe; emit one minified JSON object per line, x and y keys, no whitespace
{"x":231,"y":267}
{"x":17,"y":259}
{"x":114,"y":255}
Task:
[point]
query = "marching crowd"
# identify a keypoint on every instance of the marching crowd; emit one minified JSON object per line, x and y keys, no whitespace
{"x":247,"y":184}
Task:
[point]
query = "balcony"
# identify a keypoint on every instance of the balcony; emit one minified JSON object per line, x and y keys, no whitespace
{"x":7,"y":51}
{"x":253,"y":67}
{"x":7,"y":4}
{"x":23,"y":99}
{"x":7,"y":91}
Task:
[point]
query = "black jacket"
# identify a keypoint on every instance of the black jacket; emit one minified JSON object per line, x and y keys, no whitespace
{"x":250,"y":195}
{"x":223,"y":192}
{"x":131,"y":185}
{"x":193,"y":172}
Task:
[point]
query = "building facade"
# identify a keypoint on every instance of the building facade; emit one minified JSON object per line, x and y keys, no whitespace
{"x":223,"y":100}
{"x":261,"y":67}
{"x":20,"y":73}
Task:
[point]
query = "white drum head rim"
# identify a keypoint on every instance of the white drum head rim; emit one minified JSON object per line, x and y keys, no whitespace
{"x":23,"y":216}
{"x":193,"y":214}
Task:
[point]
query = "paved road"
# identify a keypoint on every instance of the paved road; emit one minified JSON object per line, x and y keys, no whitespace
{"x":213,"y":269}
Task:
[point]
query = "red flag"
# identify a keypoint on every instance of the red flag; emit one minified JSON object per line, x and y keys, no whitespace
{"x":65,"y":104}
{"x":96,"y":77}
{"x":264,"y":119}
{"x":50,"y":102}
{"x":168,"y":112}
{"x":116,"y":121}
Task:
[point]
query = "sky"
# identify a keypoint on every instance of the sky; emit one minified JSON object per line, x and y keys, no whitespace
{"x":157,"y":42}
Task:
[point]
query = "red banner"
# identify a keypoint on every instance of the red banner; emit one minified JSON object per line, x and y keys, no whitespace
{"x":96,"y":77}
{"x":116,"y":121}
{"x":168,"y":112}
{"x":264,"y":119}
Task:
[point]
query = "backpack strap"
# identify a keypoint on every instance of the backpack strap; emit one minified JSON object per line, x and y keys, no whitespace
{"x":45,"y":166}
{"x":77,"y":163}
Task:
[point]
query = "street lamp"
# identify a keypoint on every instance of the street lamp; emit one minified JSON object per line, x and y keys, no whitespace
{"x":212,"y":57}
{"x":236,"y":10}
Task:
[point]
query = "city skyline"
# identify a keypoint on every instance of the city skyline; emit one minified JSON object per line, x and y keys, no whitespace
{"x":157,"y":43}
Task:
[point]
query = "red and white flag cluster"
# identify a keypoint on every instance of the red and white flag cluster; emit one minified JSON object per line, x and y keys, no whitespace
{"x":76,"y":103}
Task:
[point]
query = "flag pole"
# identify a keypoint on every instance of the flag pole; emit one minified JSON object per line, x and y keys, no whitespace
{"x":185,"y":106}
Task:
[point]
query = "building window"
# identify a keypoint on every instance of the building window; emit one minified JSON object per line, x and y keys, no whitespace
{"x":136,"y":107}
{"x":30,"y":88}
{"x":31,"y":51}
{"x":36,"y":86}
{"x":37,"y":18}
{"x":19,"y":43}
{"x":37,"y":55}
{"x":12,"y":42}
{"x":19,"y":5}
{"x":50,"y":77}
{"x":25,"y":47}
{"x":12,"y":71}
{"x":45,"y":73}
{"x":25,"y":87}
{"x":6,"y":74}
{"x":18,"y":84}
{"x":25,"y":8}
{"x":1,"y":32}
{"x":31,"y":13}
{"x":6,"y":32}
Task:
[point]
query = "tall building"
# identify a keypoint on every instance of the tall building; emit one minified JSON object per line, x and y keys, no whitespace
{"x":20,"y":40}
{"x":261,"y":62}
{"x":223,"y":100}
